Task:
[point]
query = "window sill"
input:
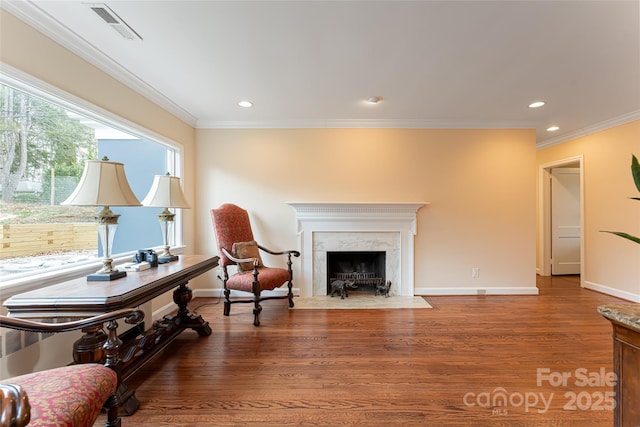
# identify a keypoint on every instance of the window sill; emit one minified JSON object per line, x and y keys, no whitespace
{"x":51,"y":277}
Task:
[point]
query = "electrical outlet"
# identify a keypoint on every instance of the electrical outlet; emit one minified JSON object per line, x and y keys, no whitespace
{"x":475,"y":272}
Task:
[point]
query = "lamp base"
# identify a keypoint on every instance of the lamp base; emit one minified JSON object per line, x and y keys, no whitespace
{"x":106,"y":277}
{"x":166,"y":259}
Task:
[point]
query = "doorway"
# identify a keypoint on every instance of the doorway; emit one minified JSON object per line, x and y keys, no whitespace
{"x":567,"y":234}
{"x":565,"y":221}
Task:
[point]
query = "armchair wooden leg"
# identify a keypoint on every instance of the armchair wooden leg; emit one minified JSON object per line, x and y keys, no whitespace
{"x":256,"y":310}
{"x":290,"y":286}
{"x":227,"y":302}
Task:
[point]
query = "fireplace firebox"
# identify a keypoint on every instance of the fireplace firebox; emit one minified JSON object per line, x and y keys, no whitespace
{"x":366,"y":269}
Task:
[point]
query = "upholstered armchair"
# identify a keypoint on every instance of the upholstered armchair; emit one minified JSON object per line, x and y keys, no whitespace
{"x":71,"y":395}
{"x":238,"y":249}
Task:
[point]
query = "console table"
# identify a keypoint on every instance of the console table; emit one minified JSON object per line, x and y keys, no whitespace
{"x":625,"y":319}
{"x":80,"y":298}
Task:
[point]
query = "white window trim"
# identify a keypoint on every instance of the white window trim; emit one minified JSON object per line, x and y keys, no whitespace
{"x":20,"y":80}
{"x":62,"y":274}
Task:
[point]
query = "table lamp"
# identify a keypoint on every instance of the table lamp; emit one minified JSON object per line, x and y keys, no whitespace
{"x":166,"y":193}
{"x":104,"y":183}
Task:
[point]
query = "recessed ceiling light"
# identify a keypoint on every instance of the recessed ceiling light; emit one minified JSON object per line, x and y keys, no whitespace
{"x":374,"y":99}
{"x":552,"y":128}
{"x":245,"y":104}
{"x":537,"y":104}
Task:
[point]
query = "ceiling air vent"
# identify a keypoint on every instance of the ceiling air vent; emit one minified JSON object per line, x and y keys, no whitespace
{"x":114,"y":21}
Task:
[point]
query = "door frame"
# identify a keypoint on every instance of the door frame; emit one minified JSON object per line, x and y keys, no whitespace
{"x":544,"y":213}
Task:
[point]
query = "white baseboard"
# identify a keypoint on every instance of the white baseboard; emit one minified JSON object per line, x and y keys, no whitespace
{"x":489,"y":290}
{"x":208,"y":293}
{"x":611,"y":291}
{"x":163,"y":311}
{"x":218,"y":292}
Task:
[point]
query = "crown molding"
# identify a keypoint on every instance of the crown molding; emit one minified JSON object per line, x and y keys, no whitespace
{"x":604,"y":125}
{"x":366,"y":124}
{"x":37,"y":18}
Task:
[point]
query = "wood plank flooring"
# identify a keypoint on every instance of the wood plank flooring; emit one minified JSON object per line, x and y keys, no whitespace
{"x":445,"y":366}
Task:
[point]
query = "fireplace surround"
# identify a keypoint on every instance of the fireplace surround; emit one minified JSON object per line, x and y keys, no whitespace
{"x":324,"y":227}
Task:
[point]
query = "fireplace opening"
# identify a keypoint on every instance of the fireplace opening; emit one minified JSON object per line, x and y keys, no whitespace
{"x":365,"y":269}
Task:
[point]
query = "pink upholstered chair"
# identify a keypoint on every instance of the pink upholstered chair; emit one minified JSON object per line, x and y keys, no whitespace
{"x":238,"y":248}
{"x":71,"y":395}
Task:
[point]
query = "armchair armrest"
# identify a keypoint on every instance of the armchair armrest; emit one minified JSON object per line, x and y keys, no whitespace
{"x":130,"y":315}
{"x":255,"y":260}
{"x":111,"y":346}
{"x":289,"y":252}
{"x":15,"y":409}
{"x":239,"y":260}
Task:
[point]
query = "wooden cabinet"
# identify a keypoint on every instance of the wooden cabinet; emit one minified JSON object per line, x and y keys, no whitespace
{"x":625,"y":319}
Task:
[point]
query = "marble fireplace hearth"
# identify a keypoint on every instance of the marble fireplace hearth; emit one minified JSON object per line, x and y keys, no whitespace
{"x":344,"y":227}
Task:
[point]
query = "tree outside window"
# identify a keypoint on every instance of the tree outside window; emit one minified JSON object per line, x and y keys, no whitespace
{"x":43,"y":149}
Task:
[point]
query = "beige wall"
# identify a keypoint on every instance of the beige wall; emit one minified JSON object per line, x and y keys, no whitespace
{"x":480,"y":185}
{"x":611,"y":264}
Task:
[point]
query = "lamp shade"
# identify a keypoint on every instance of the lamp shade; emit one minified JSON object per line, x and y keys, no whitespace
{"x":166,"y":192}
{"x":103,"y":183}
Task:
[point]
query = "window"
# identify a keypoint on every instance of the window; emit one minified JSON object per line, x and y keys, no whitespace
{"x":44,"y":142}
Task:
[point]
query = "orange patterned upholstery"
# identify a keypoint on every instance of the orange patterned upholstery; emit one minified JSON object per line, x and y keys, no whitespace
{"x":270,"y":278}
{"x":68,"y":396}
{"x":232,"y":226}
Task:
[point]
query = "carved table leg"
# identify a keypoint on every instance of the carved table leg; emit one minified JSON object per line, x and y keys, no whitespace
{"x":88,"y":349}
{"x":183,"y":318}
{"x":163,"y":332}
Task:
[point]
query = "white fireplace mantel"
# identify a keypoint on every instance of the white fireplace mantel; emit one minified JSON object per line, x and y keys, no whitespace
{"x":315,"y":219}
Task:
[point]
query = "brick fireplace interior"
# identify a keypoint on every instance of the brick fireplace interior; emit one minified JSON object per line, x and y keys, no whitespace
{"x":366,"y":269}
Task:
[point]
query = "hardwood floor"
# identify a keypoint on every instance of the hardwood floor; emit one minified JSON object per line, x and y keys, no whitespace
{"x":424,"y":367}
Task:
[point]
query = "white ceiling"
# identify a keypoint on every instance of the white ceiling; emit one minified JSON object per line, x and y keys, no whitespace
{"x":473,"y":64}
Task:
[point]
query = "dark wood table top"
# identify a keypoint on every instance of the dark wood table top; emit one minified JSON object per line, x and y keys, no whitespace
{"x":81,"y":298}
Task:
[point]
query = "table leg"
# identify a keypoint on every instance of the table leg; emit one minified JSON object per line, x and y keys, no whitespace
{"x":164,"y":331}
{"x":183,"y":318}
{"x":89,"y":348}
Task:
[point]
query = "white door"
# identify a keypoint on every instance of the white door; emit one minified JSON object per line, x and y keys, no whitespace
{"x":565,"y":221}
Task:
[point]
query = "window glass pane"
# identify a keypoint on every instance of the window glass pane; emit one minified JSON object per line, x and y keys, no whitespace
{"x":43,"y":149}
{"x":138,"y":227}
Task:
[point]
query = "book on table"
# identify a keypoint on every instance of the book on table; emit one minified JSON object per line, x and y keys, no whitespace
{"x":136,"y":266}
